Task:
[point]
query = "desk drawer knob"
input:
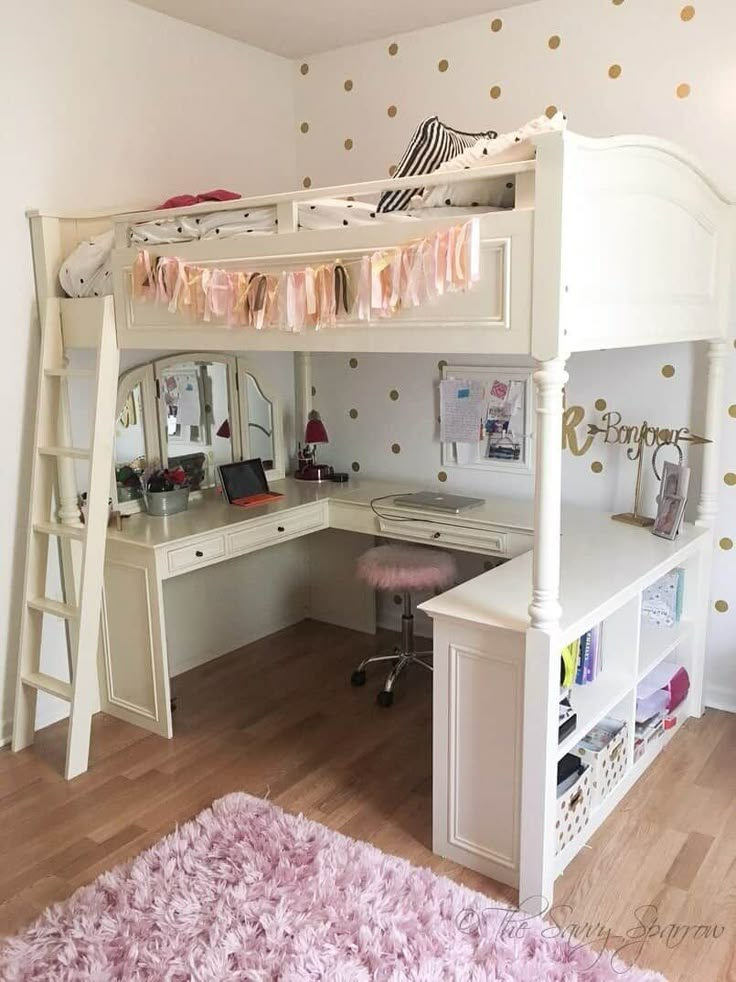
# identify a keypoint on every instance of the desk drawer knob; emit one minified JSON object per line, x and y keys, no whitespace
{"x":436,"y":535}
{"x":199,"y":554}
{"x":281,"y":529}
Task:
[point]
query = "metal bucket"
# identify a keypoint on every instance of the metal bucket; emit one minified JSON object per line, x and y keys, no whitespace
{"x":165,"y":503}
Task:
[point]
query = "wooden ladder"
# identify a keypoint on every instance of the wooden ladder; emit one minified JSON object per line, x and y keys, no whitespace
{"x":82,"y":545}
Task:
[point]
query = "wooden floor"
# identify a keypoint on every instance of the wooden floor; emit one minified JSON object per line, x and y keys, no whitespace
{"x":279,"y":718}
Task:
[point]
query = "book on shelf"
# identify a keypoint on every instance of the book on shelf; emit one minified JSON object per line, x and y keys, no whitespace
{"x":586,"y":653}
{"x":661,"y":603}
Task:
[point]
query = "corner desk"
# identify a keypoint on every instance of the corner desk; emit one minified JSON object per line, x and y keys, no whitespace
{"x":171,"y":583}
{"x":495,"y":739}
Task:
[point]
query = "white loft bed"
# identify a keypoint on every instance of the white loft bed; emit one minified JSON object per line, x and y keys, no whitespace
{"x":610,"y":243}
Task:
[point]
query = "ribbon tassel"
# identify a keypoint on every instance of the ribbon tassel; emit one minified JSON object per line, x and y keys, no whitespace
{"x":384,"y":283}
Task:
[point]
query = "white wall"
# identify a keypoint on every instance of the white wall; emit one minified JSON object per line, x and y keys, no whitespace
{"x":507,"y":54}
{"x":107,"y":103}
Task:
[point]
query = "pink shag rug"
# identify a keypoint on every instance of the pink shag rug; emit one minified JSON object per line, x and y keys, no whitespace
{"x":248,"y":893}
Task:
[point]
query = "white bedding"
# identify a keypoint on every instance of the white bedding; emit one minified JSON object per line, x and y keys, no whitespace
{"x":86,"y":272}
{"x":322,"y":213}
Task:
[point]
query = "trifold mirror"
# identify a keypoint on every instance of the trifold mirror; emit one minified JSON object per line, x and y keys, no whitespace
{"x":195,"y":411}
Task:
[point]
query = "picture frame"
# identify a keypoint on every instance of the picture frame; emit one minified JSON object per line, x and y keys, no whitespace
{"x":669,"y":516}
{"x":675,"y":480}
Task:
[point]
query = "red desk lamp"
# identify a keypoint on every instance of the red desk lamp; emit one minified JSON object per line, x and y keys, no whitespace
{"x":308,"y":469}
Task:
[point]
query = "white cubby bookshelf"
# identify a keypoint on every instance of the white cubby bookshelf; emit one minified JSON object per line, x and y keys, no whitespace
{"x":486,"y":681}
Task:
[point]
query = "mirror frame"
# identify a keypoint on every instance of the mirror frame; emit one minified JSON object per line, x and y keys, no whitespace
{"x":154,"y":422}
{"x":278,"y":471}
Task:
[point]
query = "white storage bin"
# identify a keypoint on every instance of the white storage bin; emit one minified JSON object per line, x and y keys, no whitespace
{"x":647,"y":737}
{"x":573,"y":809}
{"x":604,"y":750}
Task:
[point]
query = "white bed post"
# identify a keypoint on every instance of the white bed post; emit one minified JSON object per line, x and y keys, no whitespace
{"x":48,"y":252}
{"x":303,"y":390}
{"x":708,"y":500}
{"x":706,"y":515}
{"x":541,"y":670}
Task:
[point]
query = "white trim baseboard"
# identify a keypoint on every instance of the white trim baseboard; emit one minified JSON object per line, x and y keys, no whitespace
{"x":719,"y":698}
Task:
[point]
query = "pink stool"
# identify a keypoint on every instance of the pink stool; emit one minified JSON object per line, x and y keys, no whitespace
{"x":402,"y":569}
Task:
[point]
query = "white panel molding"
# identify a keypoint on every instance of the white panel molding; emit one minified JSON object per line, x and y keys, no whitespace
{"x":464,"y":658}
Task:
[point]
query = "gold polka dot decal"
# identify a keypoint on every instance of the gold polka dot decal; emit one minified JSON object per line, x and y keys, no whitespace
{"x":614,"y":71}
{"x":393,"y":48}
{"x":443,"y":65}
{"x":687,"y":13}
{"x":348,"y":85}
{"x":395,"y":448}
{"x":353,"y":414}
{"x":732,"y":411}
{"x":617,"y":3}
{"x":596,"y":467}
{"x":721,"y":606}
{"x":348,"y":144}
{"x":550,"y":111}
{"x":442,"y":476}
{"x":392,"y":170}
{"x":554,"y":42}
{"x":683,"y":90}
{"x":353,"y":363}
{"x":495,"y":91}
{"x":601,"y":405}
{"x":307,"y":182}
{"x":730,"y":479}
{"x":391,"y":112}
{"x":668,"y":371}
{"x":496,"y":25}
{"x":393,"y":395}
{"x":398,"y":599}
{"x":355,"y":466}
{"x":304,"y":69}
{"x":304,"y":127}
{"x":726,"y":544}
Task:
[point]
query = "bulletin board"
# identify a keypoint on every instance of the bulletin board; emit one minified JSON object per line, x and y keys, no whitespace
{"x":505,"y":420}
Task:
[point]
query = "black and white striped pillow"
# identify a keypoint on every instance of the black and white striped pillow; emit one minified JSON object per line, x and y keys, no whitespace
{"x":433,"y":143}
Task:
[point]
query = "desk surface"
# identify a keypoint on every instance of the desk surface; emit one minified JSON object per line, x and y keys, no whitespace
{"x":600,"y":561}
{"x":210,"y":512}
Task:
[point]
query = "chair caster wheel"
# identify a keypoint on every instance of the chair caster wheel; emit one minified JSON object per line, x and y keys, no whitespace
{"x":358,"y":677}
{"x":385,"y":699}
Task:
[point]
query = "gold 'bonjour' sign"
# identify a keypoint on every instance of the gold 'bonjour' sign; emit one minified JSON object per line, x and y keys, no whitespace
{"x":634,"y":438}
{"x":615,"y":432}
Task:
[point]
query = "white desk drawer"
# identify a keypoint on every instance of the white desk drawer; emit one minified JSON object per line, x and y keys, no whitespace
{"x":196,"y":555}
{"x":453,"y":536}
{"x":287,"y":525}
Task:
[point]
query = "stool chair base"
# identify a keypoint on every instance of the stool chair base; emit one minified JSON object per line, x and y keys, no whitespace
{"x":402,"y":656}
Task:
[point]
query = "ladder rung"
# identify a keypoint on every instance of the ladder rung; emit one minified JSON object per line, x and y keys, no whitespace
{"x":54,"y":607}
{"x":68,"y":372}
{"x":63,"y":531}
{"x":47,"y":683}
{"x":64,"y":452}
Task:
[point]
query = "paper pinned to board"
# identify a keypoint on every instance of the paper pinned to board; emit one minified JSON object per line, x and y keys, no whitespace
{"x":189,"y":411}
{"x":461,"y":410}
